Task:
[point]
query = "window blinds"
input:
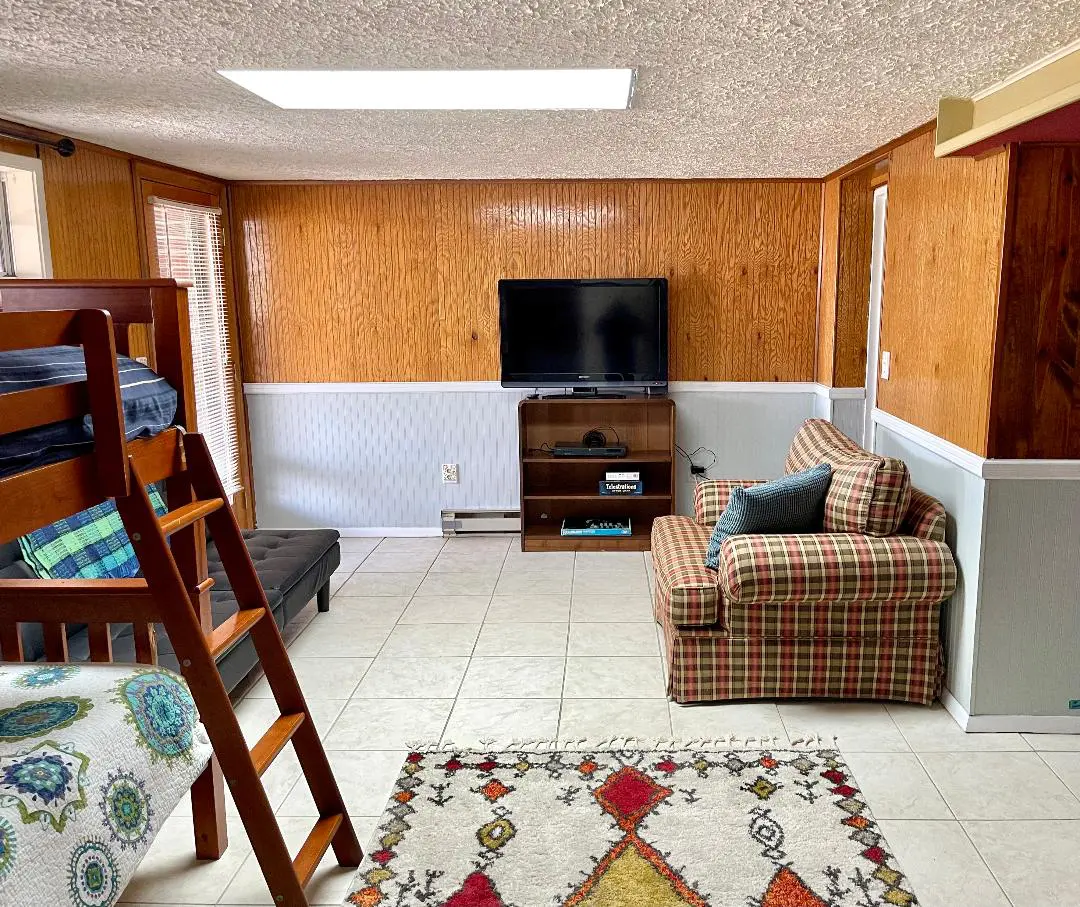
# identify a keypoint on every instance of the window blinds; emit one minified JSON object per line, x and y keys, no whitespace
{"x":189,"y":248}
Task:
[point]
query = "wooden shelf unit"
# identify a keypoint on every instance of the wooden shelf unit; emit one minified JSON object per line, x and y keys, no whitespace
{"x":553,"y":488}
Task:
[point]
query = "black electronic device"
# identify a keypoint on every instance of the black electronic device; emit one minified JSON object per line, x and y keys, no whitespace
{"x":584,"y":334}
{"x":577,"y":449}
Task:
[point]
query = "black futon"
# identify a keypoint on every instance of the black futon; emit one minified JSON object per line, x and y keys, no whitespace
{"x":294,"y":566}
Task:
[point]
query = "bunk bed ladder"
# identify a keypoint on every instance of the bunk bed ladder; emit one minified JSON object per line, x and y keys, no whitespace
{"x":197,"y":650}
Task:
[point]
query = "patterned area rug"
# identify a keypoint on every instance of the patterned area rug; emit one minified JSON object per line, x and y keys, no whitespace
{"x":649,"y":828}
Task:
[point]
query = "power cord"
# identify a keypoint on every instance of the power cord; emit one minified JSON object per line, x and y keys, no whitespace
{"x":602,"y":428}
{"x":699,"y":473}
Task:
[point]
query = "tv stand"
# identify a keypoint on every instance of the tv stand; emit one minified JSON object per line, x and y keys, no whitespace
{"x":553,"y":488}
{"x":588,"y":393}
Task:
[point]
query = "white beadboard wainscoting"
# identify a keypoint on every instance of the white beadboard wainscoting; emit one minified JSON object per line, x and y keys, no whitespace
{"x":1012,"y":628}
{"x":367,"y":456}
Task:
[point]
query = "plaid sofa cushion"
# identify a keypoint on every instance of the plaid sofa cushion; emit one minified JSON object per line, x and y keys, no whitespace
{"x":925,"y":517}
{"x":869,"y":493}
{"x":835,"y":567}
{"x":686,"y":590}
{"x":711,"y":497}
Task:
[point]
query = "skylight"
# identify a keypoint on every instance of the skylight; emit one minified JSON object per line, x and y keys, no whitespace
{"x":458,"y":89}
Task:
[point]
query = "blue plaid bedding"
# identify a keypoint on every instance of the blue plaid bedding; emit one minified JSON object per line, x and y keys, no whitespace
{"x":149,"y":405}
{"x":89,"y":545}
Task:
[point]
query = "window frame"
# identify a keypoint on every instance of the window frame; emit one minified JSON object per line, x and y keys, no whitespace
{"x":177,"y":185}
{"x":33,"y":166}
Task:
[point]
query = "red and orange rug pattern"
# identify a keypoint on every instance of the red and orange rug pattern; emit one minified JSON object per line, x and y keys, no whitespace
{"x":677,"y":828}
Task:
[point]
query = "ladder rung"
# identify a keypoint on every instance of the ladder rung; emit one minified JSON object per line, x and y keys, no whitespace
{"x":232,"y":628}
{"x":273,"y":741}
{"x":184,"y":516}
{"x":205,"y":586}
{"x":311,"y":854}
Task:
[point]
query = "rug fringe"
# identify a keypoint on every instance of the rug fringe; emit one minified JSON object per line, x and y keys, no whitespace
{"x":614,"y":744}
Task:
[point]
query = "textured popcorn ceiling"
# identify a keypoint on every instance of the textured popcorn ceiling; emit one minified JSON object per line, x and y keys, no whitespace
{"x":727,"y":88}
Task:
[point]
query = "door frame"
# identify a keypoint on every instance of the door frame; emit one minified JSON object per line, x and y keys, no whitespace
{"x":873,"y":326}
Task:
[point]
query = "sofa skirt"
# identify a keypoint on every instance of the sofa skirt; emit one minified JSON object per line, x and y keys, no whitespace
{"x":706,"y":665}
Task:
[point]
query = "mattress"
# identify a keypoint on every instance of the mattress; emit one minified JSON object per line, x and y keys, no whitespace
{"x":149,"y":405}
{"x":93,"y":759}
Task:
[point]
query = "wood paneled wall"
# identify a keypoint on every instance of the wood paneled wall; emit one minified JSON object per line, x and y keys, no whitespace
{"x":1035,"y":410}
{"x":830,"y":259}
{"x":946,"y":225}
{"x":90,"y":204}
{"x":853,"y":278}
{"x":397,"y":281}
{"x":847,"y":233}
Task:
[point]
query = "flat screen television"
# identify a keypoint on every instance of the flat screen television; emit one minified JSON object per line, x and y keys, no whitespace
{"x":584,"y":334}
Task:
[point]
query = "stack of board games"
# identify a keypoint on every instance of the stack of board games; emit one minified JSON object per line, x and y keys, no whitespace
{"x":622,"y":483}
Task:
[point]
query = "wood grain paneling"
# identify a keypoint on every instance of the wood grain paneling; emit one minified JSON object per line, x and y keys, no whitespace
{"x":853,"y":277}
{"x":90,"y":203}
{"x":942,"y":274}
{"x":830,"y":260}
{"x":1035,"y":410}
{"x":13,"y":146}
{"x":847,"y":233}
{"x":397,"y":281}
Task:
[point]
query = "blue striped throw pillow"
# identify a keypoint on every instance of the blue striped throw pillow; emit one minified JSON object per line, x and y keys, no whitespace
{"x":795,"y":503}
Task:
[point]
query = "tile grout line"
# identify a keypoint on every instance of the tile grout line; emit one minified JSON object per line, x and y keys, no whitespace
{"x":1054,"y":772}
{"x":472,"y":651}
{"x":963,"y":829}
{"x":326,"y":734}
{"x":566,"y":652}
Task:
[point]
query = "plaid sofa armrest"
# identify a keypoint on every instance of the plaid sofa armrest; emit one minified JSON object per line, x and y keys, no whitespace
{"x":835,"y":567}
{"x":711,"y":498}
{"x":925,"y":517}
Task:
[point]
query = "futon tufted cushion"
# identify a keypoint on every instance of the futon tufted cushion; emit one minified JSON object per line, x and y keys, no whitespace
{"x":281,"y":556}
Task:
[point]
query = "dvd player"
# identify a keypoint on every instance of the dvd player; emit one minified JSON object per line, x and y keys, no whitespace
{"x":577,"y":449}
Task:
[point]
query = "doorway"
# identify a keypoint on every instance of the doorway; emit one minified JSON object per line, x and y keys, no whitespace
{"x":873,"y":327}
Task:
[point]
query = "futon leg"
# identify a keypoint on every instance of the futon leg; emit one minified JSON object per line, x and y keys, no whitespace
{"x":322,"y":597}
{"x":208,"y":812}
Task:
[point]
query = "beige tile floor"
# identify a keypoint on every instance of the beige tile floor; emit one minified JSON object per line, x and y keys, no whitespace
{"x":471,"y":639}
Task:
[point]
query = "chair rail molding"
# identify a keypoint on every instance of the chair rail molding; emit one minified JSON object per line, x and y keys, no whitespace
{"x":980,"y":466}
{"x":479,"y":387}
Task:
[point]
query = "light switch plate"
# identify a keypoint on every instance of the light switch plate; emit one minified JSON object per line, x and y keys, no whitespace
{"x":886,"y":364}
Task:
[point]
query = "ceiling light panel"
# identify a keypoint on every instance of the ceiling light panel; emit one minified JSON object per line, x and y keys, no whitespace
{"x":457,"y":89}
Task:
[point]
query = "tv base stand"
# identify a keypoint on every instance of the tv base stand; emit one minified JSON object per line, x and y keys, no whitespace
{"x":595,"y":395}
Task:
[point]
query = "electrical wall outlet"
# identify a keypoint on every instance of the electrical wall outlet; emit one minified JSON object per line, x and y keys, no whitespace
{"x":449,"y":473}
{"x":886,"y":364}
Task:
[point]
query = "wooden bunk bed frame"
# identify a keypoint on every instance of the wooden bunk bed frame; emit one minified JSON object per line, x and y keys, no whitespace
{"x":175,"y":592}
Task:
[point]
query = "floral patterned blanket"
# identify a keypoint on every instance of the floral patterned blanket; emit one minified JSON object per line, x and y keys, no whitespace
{"x":93,"y":758}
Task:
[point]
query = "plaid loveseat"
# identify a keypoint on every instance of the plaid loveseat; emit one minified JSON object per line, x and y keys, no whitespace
{"x":851,"y":612}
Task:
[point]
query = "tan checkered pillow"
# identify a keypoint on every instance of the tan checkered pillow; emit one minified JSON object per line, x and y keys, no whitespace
{"x":869,"y":493}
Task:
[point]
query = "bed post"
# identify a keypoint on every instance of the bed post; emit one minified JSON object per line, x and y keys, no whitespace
{"x":172,"y":337}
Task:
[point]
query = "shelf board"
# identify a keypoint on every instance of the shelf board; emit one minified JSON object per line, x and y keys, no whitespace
{"x":536,"y":496}
{"x":640,"y":456}
{"x":548,"y":538}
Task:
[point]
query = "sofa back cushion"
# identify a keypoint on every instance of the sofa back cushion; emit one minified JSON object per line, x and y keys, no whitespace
{"x":869,"y":493}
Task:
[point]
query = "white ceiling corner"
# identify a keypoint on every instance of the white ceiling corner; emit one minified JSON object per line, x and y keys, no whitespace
{"x":725,"y":88}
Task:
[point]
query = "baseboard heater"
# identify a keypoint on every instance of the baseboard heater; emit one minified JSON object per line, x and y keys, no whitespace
{"x":459,"y":522}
